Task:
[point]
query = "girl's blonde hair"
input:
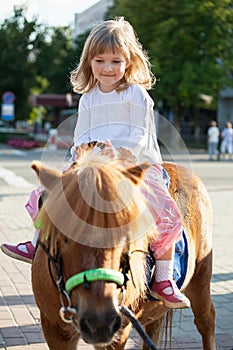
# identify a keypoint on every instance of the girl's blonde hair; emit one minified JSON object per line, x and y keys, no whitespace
{"x":115,"y":36}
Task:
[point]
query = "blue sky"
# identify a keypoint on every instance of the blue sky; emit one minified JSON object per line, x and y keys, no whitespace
{"x":49,"y":12}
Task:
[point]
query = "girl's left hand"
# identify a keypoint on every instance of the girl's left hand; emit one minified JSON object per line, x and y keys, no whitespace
{"x":126,"y":155}
{"x":105,"y":149}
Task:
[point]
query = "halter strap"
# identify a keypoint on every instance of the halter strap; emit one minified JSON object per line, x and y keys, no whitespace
{"x":101,"y":274}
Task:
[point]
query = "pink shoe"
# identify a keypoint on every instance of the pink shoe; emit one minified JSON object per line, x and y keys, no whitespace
{"x":26,"y":254}
{"x":174,"y":300}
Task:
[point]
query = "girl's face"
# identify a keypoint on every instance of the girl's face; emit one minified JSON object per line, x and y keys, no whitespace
{"x":108,"y":68}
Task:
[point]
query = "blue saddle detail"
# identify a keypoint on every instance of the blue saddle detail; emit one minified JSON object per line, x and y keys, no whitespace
{"x":180,"y":264}
{"x":181,"y":260}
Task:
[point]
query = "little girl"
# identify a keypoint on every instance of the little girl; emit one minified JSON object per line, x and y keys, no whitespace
{"x":113,"y":75}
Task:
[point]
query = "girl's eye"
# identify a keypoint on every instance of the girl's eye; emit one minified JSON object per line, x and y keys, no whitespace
{"x":99,"y":61}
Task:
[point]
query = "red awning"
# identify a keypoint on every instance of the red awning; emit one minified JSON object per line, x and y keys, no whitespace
{"x":50,"y":100}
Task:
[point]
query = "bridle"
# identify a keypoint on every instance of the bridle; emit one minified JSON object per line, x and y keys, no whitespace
{"x":67,"y":312}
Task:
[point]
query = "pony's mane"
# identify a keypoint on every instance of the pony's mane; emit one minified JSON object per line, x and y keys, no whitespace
{"x":95,"y":203}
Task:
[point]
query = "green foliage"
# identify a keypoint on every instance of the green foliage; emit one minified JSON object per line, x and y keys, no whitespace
{"x":79,"y":43}
{"x":55,"y":59}
{"x":17,"y":41}
{"x":41,"y":85}
{"x":37,"y":114}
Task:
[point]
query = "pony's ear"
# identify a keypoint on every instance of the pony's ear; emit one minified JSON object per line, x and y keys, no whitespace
{"x":48,"y":177}
{"x":136,"y":172}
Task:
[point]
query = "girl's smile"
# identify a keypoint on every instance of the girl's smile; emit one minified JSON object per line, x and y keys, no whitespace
{"x":109,"y":69}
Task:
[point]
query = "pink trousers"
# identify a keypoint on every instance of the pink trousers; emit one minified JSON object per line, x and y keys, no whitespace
{"x":32,"y":205}
{"x":164,"y":211}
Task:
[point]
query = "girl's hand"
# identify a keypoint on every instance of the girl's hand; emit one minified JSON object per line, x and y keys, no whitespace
{"x":108,"y":149}
{"x":126,"y":155}
{"x":105,"y":149}
{"x":81,"y":148}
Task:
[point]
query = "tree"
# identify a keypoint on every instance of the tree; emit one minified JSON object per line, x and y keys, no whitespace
{"x":55,"y":58}
{"x":190,"y":44}
{"x":18,"y":38}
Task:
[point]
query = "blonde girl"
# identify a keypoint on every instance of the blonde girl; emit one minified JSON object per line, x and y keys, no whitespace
{"x":113,"y":76}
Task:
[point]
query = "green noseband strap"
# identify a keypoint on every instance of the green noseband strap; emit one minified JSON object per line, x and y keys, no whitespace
{"x":100,"y":274}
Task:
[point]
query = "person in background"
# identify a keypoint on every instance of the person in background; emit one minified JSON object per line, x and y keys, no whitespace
{"x":213,"y":140}
{"x":227,"y":140}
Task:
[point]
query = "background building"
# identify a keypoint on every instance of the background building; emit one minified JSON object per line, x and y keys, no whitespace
{"x":225,"y":106}
{"x":85,"y":20}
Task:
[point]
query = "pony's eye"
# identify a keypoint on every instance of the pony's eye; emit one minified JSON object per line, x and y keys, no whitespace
{"x":66,"y":240}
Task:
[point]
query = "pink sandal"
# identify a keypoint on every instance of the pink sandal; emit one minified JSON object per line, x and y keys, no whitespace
{"x":169,"y":294}
{"x":26,"y":253}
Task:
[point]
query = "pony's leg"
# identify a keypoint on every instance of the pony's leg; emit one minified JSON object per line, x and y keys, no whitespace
{"x":59,"y":338}
{"x":198,"y":291}
{"x":158,"y":330}
{"x":153,"y":331}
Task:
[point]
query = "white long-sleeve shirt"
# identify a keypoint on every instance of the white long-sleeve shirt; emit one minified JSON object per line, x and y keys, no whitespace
{"x":125,"y":118}
{"x":213,"y":134}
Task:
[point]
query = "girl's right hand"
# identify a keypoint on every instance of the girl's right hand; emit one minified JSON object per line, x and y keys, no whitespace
{"x":80,"y":149}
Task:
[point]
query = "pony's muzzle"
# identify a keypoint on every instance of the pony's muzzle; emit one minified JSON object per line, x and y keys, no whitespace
{"x":99,"y":329}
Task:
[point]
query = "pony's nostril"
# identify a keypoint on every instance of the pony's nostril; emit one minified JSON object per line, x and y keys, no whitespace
{"x":116,"y":325}
{"x":85,"y":325}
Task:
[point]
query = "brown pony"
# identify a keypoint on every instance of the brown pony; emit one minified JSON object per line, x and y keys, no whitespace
{"x":95,"y":231}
